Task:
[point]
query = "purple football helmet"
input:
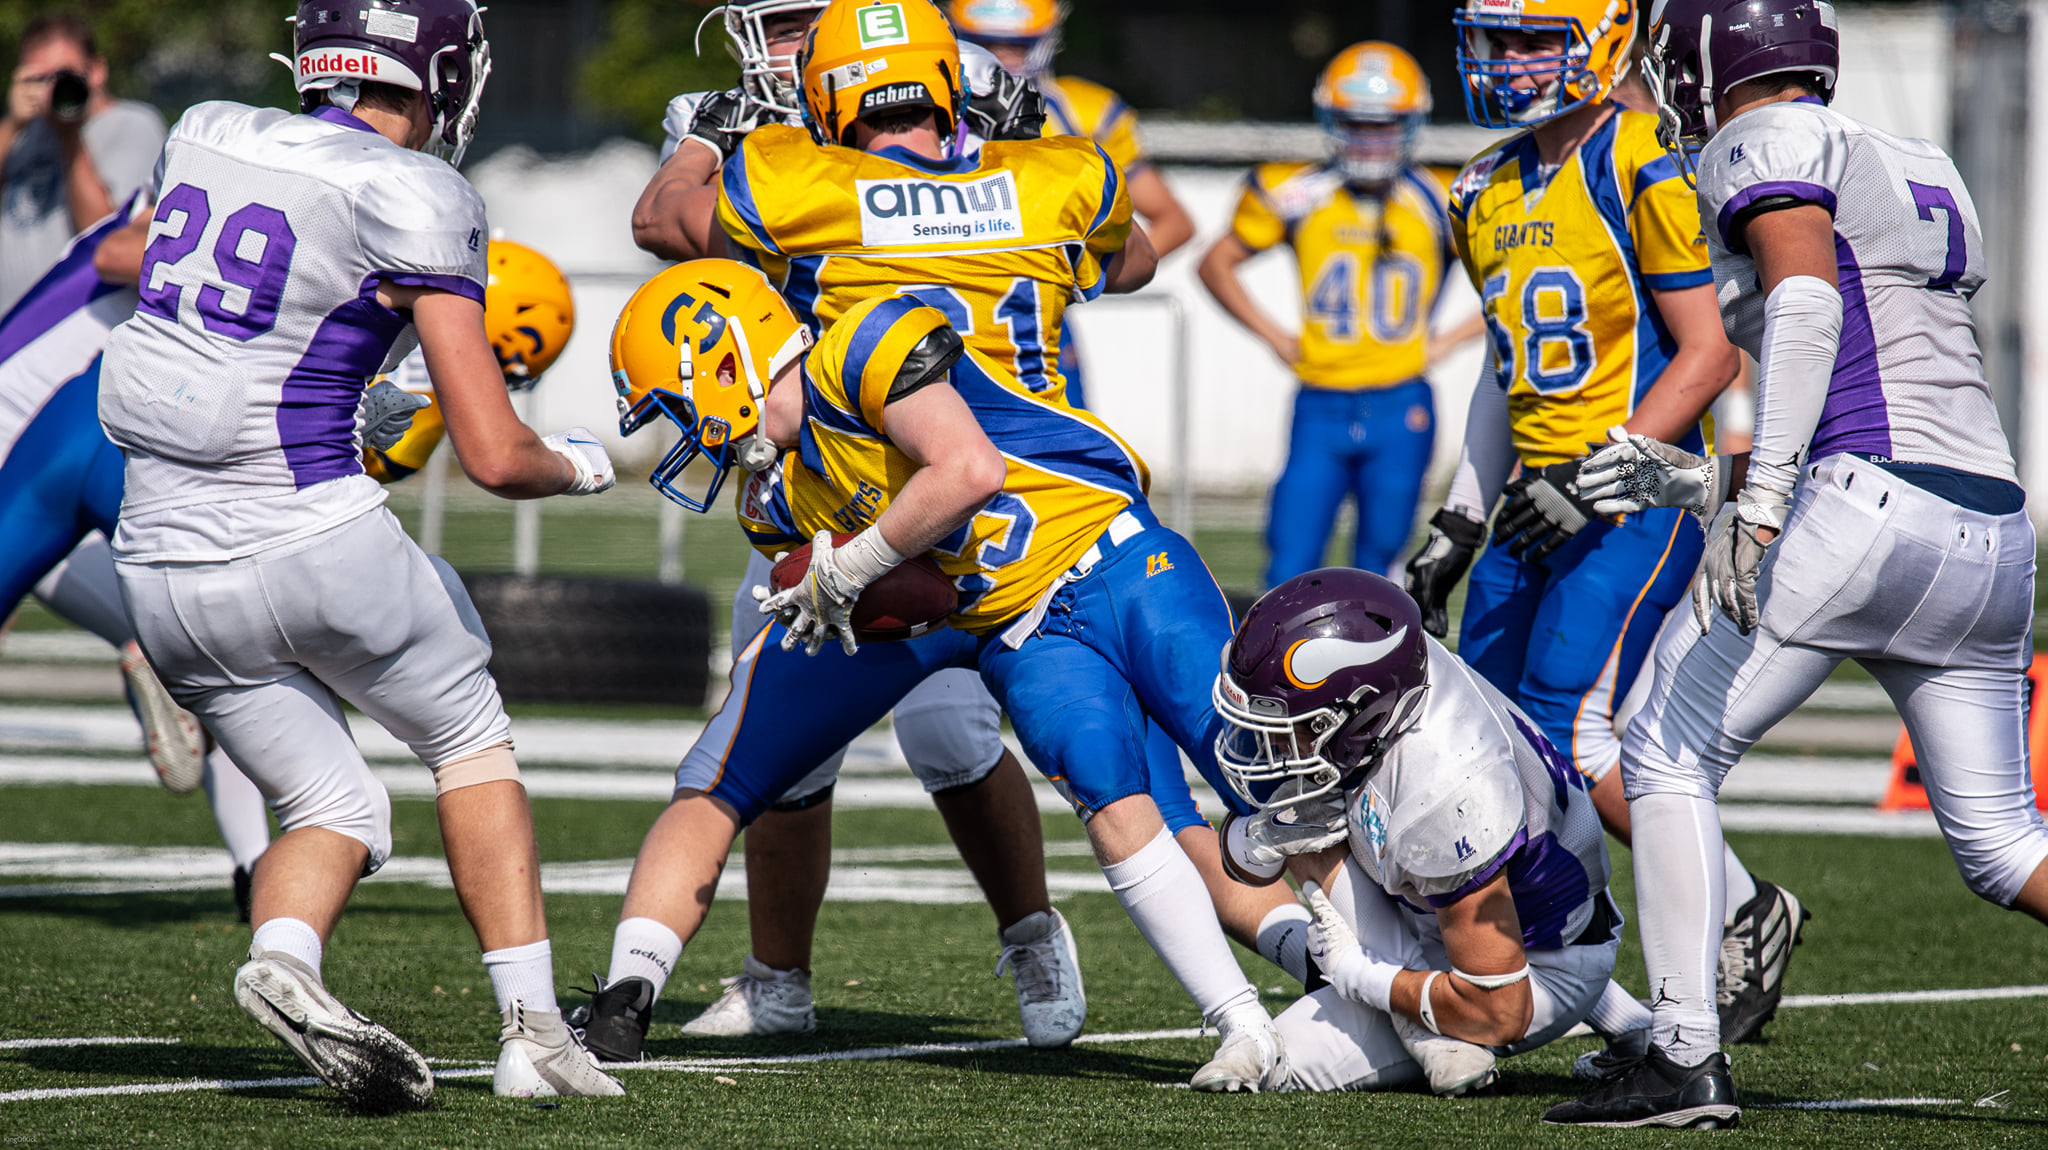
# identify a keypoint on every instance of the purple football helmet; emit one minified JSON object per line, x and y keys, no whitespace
{"x":1324,"y":670}
{"x":1699,"y":49}
{"x":431,"y":46}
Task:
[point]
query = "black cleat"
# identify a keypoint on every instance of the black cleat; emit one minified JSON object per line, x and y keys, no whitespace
{"x":1656,"y":1091}
{"x":1600,"y":1067}
{"x":614,"y":1022}
{"x":1755,"y":954}
{"x":242,"y":892}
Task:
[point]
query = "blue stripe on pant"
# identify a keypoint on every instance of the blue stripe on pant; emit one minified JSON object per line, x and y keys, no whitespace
{"x":1118,"y":676}
{"x":1565,"y":637}
{"x":1372,"y":445}
{"x":61,"y":481}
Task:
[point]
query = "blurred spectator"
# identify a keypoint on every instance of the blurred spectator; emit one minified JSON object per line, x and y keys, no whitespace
{"x":73,"y":153}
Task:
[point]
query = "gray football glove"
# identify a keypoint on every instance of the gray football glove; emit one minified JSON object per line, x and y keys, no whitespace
{"x":387,"y":413}
{"x":1636,"y":473}
{"x":1542,"y":512}
{"x":1734,"y":553}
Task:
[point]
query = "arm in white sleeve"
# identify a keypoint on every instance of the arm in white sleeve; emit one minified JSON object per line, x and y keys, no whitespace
{"x":1489,"y":452}
{"x":1802,"y":336}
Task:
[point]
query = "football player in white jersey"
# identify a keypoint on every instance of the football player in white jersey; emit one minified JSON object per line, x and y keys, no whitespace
{"x":1878,"y":517}
{"x":949,"y":727}
{"x":1453,"y":857}
{"x":60,"y":493}
{"x":291,"y":258}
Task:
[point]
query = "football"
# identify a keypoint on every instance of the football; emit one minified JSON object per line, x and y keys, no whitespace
{"x":913,"y":599}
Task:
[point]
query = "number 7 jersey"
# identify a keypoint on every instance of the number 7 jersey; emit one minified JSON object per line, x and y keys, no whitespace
{"x":233,"y":390}
{"x":1564,"y":263}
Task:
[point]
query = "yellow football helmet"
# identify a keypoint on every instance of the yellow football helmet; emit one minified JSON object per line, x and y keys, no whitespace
{"x":1592,"y":59}
{"x":1372,"y":101}
{"x":866,"y":56}
{"x":699,"y":344}
{"x":529,"y":313}
{"x":1033,"y":25}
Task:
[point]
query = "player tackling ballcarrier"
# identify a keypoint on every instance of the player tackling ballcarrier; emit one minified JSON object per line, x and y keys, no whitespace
{"x":1879,"y":518}
{"x":291,"y":258}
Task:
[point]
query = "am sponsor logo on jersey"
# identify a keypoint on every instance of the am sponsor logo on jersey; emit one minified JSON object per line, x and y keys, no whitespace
{"x":921,"y":212}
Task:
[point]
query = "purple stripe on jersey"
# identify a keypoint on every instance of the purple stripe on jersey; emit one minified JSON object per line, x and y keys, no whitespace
{"x":1797,"y":189}
{"x":1546,"y":881}
{"x":1482,"y":877}
{"x":68,"y":286}
{"x":460,"y":285}
{"x":1854,"y":418}
{"x":316,"y":414}
{"x":334,"y":115}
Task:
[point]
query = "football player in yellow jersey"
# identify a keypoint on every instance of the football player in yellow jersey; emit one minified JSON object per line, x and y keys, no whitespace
{"x":1025,"y":35}
{"x":1372,"y":241}
{"x":1086,"y":618}
{"x":1586,"y":248}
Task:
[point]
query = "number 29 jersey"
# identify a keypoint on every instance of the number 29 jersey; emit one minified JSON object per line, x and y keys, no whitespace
{"x":1564,"y":263}
{"x":1000,"y":241}
{"x":233,"y":392}
{"x":1068,"y":475}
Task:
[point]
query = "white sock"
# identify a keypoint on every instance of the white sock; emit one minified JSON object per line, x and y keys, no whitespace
{"x":1741,"y":887}
{"x":238,"y":809}
{"x":644,"y":948}
{"x":525,"y":973}
{"x":1680,"y":891}
{"x":290,"y":936}
{"x":1617,"y":1013}
{"x":1164,"y":895}
{"x":1283,"y":939}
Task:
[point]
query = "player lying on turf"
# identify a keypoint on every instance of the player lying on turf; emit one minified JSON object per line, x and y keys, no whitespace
{"x":1879,"y":520}
{"x":1084,"y":617}
{"x":1461,"y":903}
{"x":948,"y":727}
{"x":1585,"y":247}
{"x":291,"y":258}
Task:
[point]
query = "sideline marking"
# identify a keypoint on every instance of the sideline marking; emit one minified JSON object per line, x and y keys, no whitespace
{"x":66,"y":1043}
{"x":1970,"y":994}
{"x":1857,"y":1103}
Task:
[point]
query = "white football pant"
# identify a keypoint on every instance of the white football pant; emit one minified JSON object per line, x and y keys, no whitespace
{"x":1334,"y":1043}
{"x":264,"y":650}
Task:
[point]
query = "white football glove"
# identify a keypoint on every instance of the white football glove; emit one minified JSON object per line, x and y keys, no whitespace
{"x":1354,"y":972}
{"x":1734,"y":553}
{"x":1637,"y":473}
{"x":387,"y":413}
{"x":1260,"y":844}
{"x":593,"y":467}
{"x":820,"y":605}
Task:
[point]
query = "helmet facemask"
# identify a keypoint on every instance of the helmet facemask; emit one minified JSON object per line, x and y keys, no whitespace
{"x":1302,"y":758}
{"x":1370,"y":151}
{"x":1492,"y":98}
{"x":454,"y":127}
{"x":771,"y":80}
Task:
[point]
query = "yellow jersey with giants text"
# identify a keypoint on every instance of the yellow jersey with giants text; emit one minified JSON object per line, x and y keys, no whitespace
{"x":1565,"y":262}
{"x":999,"y":242}
{"x":1371,"y":267}
{"x":1084,"y":108}
{"x":1069,"y":475}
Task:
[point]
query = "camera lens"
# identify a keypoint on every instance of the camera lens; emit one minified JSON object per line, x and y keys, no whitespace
{"x":68,"y":95}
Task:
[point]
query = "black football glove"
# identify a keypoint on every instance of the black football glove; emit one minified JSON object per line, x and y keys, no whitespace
{"x":725,"y":118}
{"x":1542,"y":512}
{"x":1453,"y":540}
{"x":1004,"y":107}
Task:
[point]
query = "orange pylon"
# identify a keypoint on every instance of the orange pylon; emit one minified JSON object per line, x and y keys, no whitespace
{"x":1906,"y":792}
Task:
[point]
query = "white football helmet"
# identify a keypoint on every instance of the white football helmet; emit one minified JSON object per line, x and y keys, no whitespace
{"x":769,"y":79}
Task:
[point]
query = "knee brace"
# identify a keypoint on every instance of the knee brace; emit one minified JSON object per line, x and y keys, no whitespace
{"x":489,"y":765}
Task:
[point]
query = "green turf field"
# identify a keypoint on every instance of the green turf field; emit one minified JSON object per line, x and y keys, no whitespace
{"x":1889,"y":915}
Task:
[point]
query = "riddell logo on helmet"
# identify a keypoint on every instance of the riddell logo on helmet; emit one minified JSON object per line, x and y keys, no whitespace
{"x":340,"y":62}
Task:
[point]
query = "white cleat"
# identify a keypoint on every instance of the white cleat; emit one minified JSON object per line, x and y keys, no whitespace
{"x":759,"y":1001}
{"x":171,"y":735}
{"x":1452,"y":1065}
{"x":1251,"y":1057}
{"x":540,"y":1057}
{"x":372,"y":1067}
{"x":1039,"y":950}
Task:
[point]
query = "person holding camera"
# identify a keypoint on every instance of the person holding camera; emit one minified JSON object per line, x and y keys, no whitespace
{"x":72,"y":152}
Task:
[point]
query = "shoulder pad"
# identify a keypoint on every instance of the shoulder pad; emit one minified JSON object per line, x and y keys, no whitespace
{"x":1458,"y":832}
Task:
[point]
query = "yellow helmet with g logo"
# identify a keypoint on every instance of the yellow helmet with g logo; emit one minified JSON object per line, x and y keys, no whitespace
{"x":699,"y":344}
{"x":1033,"y":25}
{"x":868,"y":56}
{"x":1586,"y":55}
{"x":1372,"y":101}
{"x":529,"y":313}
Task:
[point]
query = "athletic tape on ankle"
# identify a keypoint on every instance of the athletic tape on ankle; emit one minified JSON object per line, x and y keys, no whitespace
{"x":490,"y":765}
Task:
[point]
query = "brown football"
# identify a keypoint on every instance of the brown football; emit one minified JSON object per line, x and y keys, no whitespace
{"x":913,"y":599}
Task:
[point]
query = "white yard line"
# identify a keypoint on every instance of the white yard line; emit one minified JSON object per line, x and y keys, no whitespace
{"x":1856,"y":1103}
{"x":1899,"y":997}
{"x":68,"y":1043}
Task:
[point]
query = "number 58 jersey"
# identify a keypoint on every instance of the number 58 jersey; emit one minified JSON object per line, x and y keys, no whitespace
{"x":1564,"y":263}
{"x":234,"y":390}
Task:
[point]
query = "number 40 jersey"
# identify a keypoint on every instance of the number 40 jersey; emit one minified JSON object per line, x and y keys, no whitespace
{"x":1909,"y":380}
{"x":233,"y":391}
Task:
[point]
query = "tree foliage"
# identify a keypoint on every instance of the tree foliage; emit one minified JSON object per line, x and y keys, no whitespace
{"x":648,"y":56}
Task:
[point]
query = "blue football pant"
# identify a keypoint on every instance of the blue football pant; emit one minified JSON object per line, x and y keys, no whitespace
{"x":1372,"y":446}
{"x":1565,"y":637}
{"x":61,"y":481}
